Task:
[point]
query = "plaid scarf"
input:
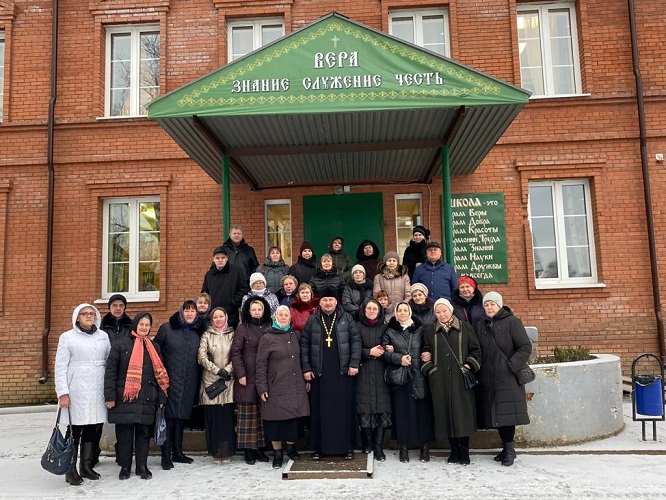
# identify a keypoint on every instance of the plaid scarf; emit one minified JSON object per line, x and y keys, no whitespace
{"x":135,"y":368}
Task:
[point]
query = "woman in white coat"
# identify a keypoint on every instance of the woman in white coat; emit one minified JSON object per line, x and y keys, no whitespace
{"x":80,"y":363}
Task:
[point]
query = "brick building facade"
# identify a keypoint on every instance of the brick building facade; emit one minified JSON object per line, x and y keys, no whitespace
{"x":103,"y":153}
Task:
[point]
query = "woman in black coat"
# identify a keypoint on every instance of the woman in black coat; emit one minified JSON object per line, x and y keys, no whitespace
{"x":373,"y":395}
{"x":423,"y":307}
{"x":256,"y":316}
{"x":357,"y":290}
{"x":179,"y":340}
{"x":328,"y":279}
{"x":505,"y":349}
{"x":415,"y":253}
{"x":367,"y":255}
{"x":467,"y":301}
{"x":306,"y":265}
{"x":412,"y":406}
{"x":135,"y":383}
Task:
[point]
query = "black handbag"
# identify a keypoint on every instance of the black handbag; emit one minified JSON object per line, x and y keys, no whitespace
{"x":399,"y":375}
{"x":469,"y":378}
{"x":215,"y":389}
{"x":57,"y":458}
{"x":523,"y":376}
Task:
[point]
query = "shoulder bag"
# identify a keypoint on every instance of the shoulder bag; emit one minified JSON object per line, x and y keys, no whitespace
{"x":523,"y":376}
{"x":57,"y":458}
{"x":469,"y":378}
{"x":399,"y":375}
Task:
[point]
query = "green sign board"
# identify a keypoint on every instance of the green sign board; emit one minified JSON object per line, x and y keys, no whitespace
{"x":479,"y":237}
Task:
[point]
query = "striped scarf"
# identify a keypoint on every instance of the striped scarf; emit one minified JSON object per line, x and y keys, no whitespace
{"x":135,"y":368}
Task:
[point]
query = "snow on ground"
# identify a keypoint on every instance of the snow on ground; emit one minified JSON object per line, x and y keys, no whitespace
{"x":620,"y":467}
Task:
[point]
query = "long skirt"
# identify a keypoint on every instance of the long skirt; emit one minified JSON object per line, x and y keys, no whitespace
{"x":412,"y":418}
{"x":220,"y":436}
{"x":281,"y":430}
{"x":250,"y":427}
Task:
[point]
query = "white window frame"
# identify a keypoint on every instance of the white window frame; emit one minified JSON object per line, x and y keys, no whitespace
{"x":133,"y":293}
{"x":563,"y":280}
{"x":544,"y":35}
{"x":135,"y":31}
{"x":256,"y":25}
{"x":268,"y":203}
{"x":407,"y":196}
{"x":417,"y":15}
{"x":2,"y":72}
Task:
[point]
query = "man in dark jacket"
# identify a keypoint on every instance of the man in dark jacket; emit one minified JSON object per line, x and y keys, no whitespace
{"x":116,"y":323}
{"x":438,"y":276}
{"x":226,"y":284}
{"x":240,"y":253}
{"x":330,"y":358}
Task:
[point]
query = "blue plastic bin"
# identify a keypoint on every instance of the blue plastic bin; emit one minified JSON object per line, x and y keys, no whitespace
{"x":649,"y":395}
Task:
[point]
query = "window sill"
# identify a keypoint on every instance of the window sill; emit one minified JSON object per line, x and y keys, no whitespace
{"x":130,"y":300}
{"x":559,"y":286}
{"x":114,"y":118}
{"x":563,"y":96}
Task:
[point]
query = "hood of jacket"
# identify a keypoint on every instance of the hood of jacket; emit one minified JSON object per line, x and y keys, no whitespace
{"x":366,"y":285}
{"x":77,"y":310}
{"x":360,"y":256}
{"x":363,"y":319}
{"x":245,"y":312}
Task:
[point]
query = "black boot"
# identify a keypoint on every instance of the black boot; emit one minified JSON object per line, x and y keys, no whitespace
{"x":509,"y":454}
{"x":292,"y":452}
{"x":72,"y":477}
{"x":96,"y":449}
{"x":500,"y":456}
{"x":141,"y":448}
{"x":277,"y":459}
{"x":378,"y":443}
{"x":167,"y":464}
{"x":404,"y":453}
{"x":124,"y":473}
{"x":464,"y":450}
{"x":143,"y":472}
{"x":86,"y":462}
{"x":250,"y":456}
{"x":260,"y":456}
{"x":424,"y":456}
{"x":366,"y":439}
{"x":177,"y":451}
{"x":454,"y":456}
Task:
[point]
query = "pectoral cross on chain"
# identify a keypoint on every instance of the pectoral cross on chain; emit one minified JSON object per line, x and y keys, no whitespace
{"x":335,"y":41}
{"x":328,"y":341}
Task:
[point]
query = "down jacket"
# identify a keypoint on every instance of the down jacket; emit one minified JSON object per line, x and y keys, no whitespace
{"x":226,"y":288}
{"x":328,"y":280}
{"x":468,"y":310}
{"x":142,"y":409}
{"x":242,"y":256}
{"x":279,"y":374}
{"x":244,"y":351}
{"x":312,"y":342}
{"x":398,"y":337}
{"x":440,"y":278}
{"x":116,"y":329}
{"x":395,"y":283}
{"x":273,"y":272}
{"x":215,"y":355}
{"x":80,"y":363}
{"x":500,"y":401}
{"x":373,"y":395}
{"x":180,"y":347}
{"x":354,"y":295}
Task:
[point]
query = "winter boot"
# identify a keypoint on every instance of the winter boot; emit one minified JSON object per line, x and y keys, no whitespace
{"x":464,"y":451}
{"x":250,"y":456}
{"x":454,"y":456}
{"x":277,"y":459}
{"x":167,"y":464}
{"x":72,"y":477}
{"x":261,"y":456}
{"x":85,"y":464}
{"x":424,"y":456}
{"x":366,"y":439}
{"x":141,"y":448}
{"x":177,"y":451}
{"x":292,"y":452}
{"x":404,"y":453}
{"x":378,"y":443}
{"x":500,"y":456}
{"x":509,"y":454}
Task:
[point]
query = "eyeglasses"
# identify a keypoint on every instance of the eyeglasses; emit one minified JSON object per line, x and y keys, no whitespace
{"x":90,"y":314}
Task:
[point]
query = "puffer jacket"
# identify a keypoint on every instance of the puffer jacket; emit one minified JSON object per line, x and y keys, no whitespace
{"x":470,"y":311}
{"x":142,"y":409}
{"x":273,"y":272}
{"x":215,"y":355}
{"x":244,"y":352}
{"x":373,"y":395}
{"x":415,"y":254}
{"x":396,"y":283}
{"x":116,"y":329}
{"x":500,"y":401}
{"x":267,"y":294}
{"x":180,"y":347}
{"x":226,"y":288}
{"x":312,"y":342}
{"x":304,"y":269}
{"x":399,"y":338}
{"x":330,"y":280}
{"x":440,"y":278}
{"x":354,"y":294}
{"x":424,"y":312}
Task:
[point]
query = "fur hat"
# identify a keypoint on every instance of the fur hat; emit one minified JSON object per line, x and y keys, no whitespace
{"x":493,"y":297}
{"x":306,"y":245}
{"x":257,"y":277}
{"x":420,"y":287}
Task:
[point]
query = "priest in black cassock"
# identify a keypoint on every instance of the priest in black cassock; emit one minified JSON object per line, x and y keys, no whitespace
{"x":330,"y":357}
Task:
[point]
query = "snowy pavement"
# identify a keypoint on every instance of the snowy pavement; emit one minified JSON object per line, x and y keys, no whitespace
{"x":620,"y":467}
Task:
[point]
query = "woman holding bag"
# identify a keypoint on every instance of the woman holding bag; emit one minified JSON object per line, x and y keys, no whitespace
{"x":135,"y":384}
{"x":450,"y":345}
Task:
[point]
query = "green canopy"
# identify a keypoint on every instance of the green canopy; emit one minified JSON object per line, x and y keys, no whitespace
{"x":338,"y":102}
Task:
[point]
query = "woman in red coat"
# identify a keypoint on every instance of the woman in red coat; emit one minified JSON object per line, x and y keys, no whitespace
{"x":303,"y":307}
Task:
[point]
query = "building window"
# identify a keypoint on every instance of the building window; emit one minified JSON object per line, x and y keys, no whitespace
{"x":131,"y":247}
{"x":278,"y":227}
{"x":428,"y":28}
{"x":548,"y":47}
{"x":132,"y":69}
{"x":562,"y":232}
{"x":2,"y":73}
{"x":251,"y":34}
{"x":407,"y":215}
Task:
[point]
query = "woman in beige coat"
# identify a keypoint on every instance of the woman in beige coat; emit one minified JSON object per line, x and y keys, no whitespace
{"x":215,"y":358}
{"x":393,"y":278}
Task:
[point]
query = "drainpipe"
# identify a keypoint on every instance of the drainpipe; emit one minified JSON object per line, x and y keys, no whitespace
{"x":49,"y":223}
{"x":646,"y":179}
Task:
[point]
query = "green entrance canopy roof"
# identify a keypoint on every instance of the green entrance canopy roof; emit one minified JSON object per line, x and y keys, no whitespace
{"x":341,"y":103}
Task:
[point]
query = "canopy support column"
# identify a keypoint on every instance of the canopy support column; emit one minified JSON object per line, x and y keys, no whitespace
{"x":447,"y":215}
{"x":226,"y":197}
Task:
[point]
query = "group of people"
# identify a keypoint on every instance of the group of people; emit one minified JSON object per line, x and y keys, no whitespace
{"x":346,"y":351}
